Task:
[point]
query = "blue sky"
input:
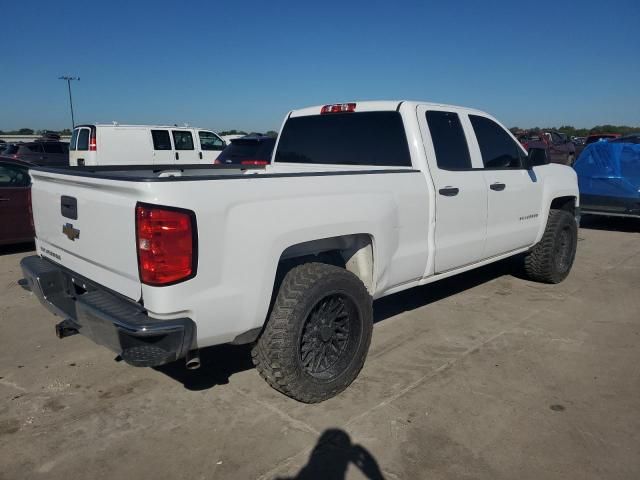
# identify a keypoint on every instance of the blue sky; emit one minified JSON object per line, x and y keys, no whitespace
{"x":243,"y":65}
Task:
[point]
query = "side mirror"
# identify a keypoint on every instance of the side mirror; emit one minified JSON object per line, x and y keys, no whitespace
{"x":535,"y":157}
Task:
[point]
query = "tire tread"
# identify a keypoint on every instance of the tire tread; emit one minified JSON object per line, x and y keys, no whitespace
{"x":539,"y":261}
{"x":272,"y":354}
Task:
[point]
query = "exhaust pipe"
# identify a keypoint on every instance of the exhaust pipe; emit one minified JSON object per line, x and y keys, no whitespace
{"x":192,"y":360}
{"x":66,"y":328}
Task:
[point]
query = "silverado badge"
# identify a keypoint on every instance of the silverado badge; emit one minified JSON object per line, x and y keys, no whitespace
{"x":70,"y":232}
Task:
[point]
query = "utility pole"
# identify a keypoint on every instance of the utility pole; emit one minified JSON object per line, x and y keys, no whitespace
{"x":68,"y":79}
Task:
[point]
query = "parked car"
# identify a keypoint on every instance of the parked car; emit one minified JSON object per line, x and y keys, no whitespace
{"x":228,"y":138}
{"x":362,"y":200}
{"x":559,"y":148}
{"x":609,"y":178}
{"x":45,"y":153}
{"x":114,"y":144}
{"x":248,"y":150}
{"x":596,"y":137}
{"x":632,"y":138}
{"x":15,"y":202}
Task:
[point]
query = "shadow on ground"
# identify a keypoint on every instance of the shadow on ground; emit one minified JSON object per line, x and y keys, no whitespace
{"x":614,"y":224}
{"x":17,"y":248}
{"x":331,"y":457}
{"x":415,"y":298}
{"x":217,"y":365}
{"x":220,"y":362}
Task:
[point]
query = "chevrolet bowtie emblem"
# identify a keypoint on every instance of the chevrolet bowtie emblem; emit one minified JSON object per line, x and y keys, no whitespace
{"x":70,"y":232}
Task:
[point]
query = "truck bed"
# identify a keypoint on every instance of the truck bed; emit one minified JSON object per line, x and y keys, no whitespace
{"x":244,"y":226}
{"x":151,"y":173}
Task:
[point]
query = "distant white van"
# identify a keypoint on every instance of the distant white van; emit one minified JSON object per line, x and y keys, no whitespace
{"x":114,"y":144}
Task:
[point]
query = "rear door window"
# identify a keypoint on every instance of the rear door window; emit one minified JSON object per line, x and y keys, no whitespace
{"x":449,"y":141}
{"x":498,"y":149}
{"x":182,"y":140}
{"x":366,"y":138}
{"x":83,"y":139}
{"x":161,"y":139}
{"x":53,"y":148}
{"x":210,"y":141}
{"x":10,"y":150}
{"x":74,"y":139}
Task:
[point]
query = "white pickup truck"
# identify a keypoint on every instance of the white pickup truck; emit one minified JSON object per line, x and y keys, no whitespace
{"x":362,"y":200}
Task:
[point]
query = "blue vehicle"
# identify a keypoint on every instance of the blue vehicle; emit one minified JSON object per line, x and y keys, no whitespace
{"x":609,"y":179}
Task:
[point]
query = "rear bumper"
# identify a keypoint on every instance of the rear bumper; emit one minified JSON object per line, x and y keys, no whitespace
{"x":108,"y":319}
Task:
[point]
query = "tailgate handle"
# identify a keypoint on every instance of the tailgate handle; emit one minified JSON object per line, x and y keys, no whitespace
{"x":69,"y":207}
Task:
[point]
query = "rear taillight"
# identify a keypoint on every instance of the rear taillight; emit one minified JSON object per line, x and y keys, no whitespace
{"x":254,"y":162}
{"x":167,"y":244}
{"x":338,"y":108}
{"x":92,"y":140}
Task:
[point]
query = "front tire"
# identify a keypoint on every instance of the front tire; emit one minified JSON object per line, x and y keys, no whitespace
{"x":551,"y":259}
{"x":318,"y":334}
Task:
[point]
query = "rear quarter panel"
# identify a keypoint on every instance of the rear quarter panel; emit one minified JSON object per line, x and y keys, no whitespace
{"x":244,"y":226}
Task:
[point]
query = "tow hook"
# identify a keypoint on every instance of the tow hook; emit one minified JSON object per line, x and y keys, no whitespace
{"x":66,"y":328}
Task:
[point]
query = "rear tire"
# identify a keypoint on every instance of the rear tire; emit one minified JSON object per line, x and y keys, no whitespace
{"x":551,"y":259}
{"x":318,"y":334}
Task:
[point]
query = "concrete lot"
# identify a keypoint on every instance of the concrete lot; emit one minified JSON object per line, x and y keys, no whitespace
{"x":481,"y":376}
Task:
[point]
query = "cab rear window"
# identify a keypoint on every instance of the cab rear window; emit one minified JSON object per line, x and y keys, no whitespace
{"x":365,"y":138}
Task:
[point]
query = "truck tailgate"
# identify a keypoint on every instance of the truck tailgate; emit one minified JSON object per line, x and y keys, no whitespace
{"x":100,"y":242}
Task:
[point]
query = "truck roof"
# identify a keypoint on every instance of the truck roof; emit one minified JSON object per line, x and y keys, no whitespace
{"x":382,"y":105}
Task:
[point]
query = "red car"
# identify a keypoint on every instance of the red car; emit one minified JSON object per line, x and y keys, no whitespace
{"x":15,"y":202}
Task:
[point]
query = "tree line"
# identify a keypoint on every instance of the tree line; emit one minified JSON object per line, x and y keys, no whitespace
{"x":569,"y":130}
{"x":572,"y":131}
{"x":66,"y":131}
{"x":31,"y":131}
{"x":269,"y":133}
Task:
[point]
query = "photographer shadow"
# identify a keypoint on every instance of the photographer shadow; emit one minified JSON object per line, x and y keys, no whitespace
{"x":331,"y":457}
